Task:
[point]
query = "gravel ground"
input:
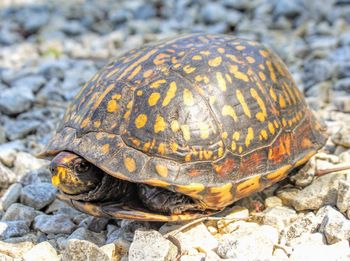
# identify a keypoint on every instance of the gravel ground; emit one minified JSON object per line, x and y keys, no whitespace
{"x":48,"y":49}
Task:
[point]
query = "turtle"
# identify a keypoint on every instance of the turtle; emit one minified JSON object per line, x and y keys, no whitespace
{"x":181,"y":129}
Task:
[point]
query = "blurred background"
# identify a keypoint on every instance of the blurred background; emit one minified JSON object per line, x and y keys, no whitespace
{"x":48,"y":49}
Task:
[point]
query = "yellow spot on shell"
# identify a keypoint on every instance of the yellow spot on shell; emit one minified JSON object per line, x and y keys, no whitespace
{"x":240,"y":47}
{"x":141,"y":121}
{"x":221,"y":81}
{"x":105,"y":149}
{"x":85,"y":123}
{"x":273,"y":94}
{"x":221,"y":50}
{"x":237,"y":74}
{"x":235,"y":135}
{"x":188,"y":97}
{"x":174,"y":146}
{"x":249,"y":137}
{"x":250,"y":59}
{"x":157,"y":83}
{"x":244,"y":105}
{"x":148,"y":74}
{"x":130,"y":164}
{"x":188,"y":69}
{"x":215,"y":62}
{"x":261,"y":116}
{"x":271,"y":128}
{"x":153,"y":98}
{"x":264,"y":53}
{"x":186,"y":132}
{"x":220,"y":152}
{"x":264,"y":134}
{"x":160,"y":124}
{"x":162,"y":170}
{"x":112,"y":106}
{"x":170,"y":94}
{"x":205,"y":53}
{"x":233,"y":58}
{"x":272,"y":71}
{"x":204,"y":130}
{"x":135,"y":72}
{"x":161,"y":148}
{"x":175,"y":126}
{"x":97,"y":124}
{"x":282,"y":102}
{"x":197,"y":58}
{"x":228,"y":110}
{"x":262,"y":76}
{"x":116,"y":96}
{"x":224,"y":135}
{"x":228,"y":78}
{"x":284,"y":122}
{"x":139,"y":93}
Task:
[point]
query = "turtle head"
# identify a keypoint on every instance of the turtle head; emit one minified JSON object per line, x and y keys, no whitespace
{"x":73,"y":174}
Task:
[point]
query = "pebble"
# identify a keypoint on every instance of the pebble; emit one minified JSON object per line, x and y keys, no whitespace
{"x":25,"y":163}
{"x":13,"y":229}
{"x":342,"y":136}
{"x":7,"y":176}
{"x":334,"y":225}
{"x":274,"y":201}
{"x":8,"y":152}
{"x":343,"y":200}
{"x":15,"y":250}
{"x":56,"y":224}
{"x":19,"y":129}
{"x":212,"y":13}
{"x":39,"y":195}
{"x":16,"y":100}
{"x":78,"y":250}
{"x":279,"y":216}
{"x":41,"y":252}
{"x":150,"y":245}
{"x":11,"y":196}
{"x":82,"y":233}
{"x":20,"y":212}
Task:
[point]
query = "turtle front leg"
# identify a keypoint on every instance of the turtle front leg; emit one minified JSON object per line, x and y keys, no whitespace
{"x":165,"y":201}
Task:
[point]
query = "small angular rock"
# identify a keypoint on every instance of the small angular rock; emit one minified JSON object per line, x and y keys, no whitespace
{"x":78,"y":250}
{"x":13,"y":229}
{"x":39,"y":195}
{"x":20,"y":212}
{"x":56,"y":224}
{"x":42,"y":251}
{"x":11,"y":196}
{"x":343,"y":200}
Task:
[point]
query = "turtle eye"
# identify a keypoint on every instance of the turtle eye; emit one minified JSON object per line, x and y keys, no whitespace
{"x":81,"y":166}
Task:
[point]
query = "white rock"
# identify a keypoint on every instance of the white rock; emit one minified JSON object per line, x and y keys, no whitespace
{"x":279,"y":217}
{"x":236,"y":213}
{"x":334,"y":225}
{"x":273,"y":202}
{"x":15,"y":249}
{"x":25,"y":162}
{"x":257,"y":245}
{"x":78,"y":250}
{"x":150,"y":245}
{"x":200,"y":238}
{"x":314,"y":238}
{"x":343,"y":200}
{"x":336,"y":252}
{"x":41,"y":252}
{"x":7,"y":176}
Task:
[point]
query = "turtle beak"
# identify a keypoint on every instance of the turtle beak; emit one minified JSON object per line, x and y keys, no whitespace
{"x":58,"y":173}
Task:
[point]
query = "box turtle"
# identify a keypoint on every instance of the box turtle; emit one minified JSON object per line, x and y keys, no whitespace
{"x":181,"y":129}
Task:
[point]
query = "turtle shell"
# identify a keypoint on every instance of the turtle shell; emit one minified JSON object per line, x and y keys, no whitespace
{"x":214,"y":117}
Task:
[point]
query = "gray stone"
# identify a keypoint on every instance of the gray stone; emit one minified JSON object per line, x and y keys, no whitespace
{"x":342,"y":103}
{"x":342,"y":137}
{"x":33,"y":82}
{"x":145,"y":11}
{"x":25,"y":162}
{"x":279,"y":216}
{"x":257,"y":245}
{"x":343,"y":200}
{"x":20,"y":212}
{"x":287,"y":8}
{"x":7,"y":176}
{"x":56,"y":205}
{"x":13,"y":228}
{"x":11,"y":196}
{"x":39,"y":195}
{"x":212,"y":13}
{"x":306,"y":251}
{"x":21,"y":128}
{"x":56,"y":224}
{"x":42,"y":251}
{"x":150,"y":245}
{"x":342,"y":85}
{"x":78,"y":250}
{"x":82,"y":233}
{"x":15,"y":100}
{"x":334,"y":225}
{"x":317,"y":71}
{"x":95,"y":224}
{"x":8,"y":152}
{"x":323,"y":191}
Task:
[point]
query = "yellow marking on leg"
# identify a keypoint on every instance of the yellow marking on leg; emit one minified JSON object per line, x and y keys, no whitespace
{"x":237,"y":74}
{"x":170,"y":94}
{"x":249,"y":137}
{"x":188,"y":97}
{"x":153,"y":98}
{"x":141,"y":121}
{"x":228,"y":110}
{"x":160,"y":124}
{"x":261,"y":116}
{"x":130,"y":164}
{"x":221,"y":81}
{"x":244,"y":105}
{"x":215,"y":62}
